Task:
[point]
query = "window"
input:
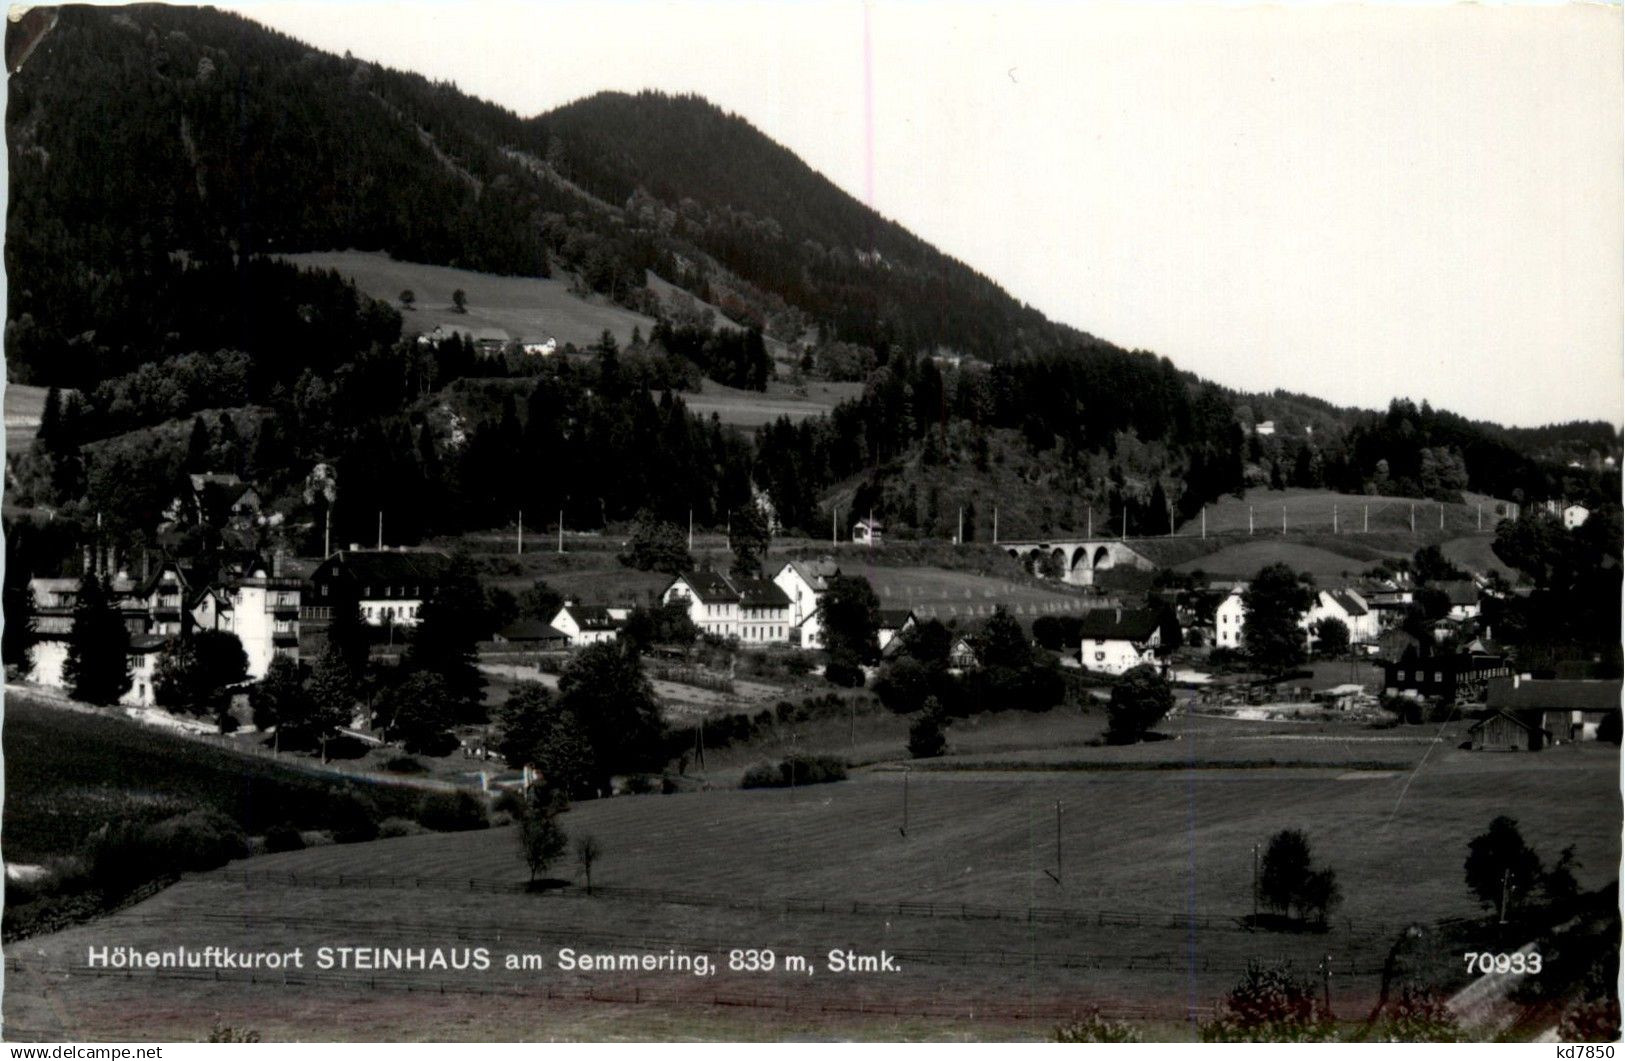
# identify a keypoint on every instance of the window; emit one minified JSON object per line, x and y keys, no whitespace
{"x":1401,"y":675}
{"x":1099,"y":656}
{"x":1438,"y":675}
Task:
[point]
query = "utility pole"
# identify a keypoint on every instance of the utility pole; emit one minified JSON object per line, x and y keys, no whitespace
{"x":1125,"y":520}
{"x":904,"y":829}
{"x":327,"y":531}
{"x":995,"y":524}
{"x":834,"y":524}
{"x":959,"y":539}
{"x":1334,"y":517}
{"x":1255,"y":885}
{"x":1413,"y":517}
{"x":1441,"y":515}
{"x":380,"y":529}
{"x":1506,"y":877}
{"x":1283,"y":520}
{"x":1091,"y":533}
{"x":561,"y":532}
{"x":1366,"y":527}
{"x":1326,"y":983}
{"x":1480,"y":508}
{"x":1249,"y":521}
{"x":871,"y":541}
{"x":1204,"y":522}
{"x":519,"y":536}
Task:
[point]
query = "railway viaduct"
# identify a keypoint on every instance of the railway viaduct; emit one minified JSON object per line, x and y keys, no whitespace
{"x":1078,"y":558}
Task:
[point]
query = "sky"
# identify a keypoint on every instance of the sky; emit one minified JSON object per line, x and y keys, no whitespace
{"x":1352,"y":202}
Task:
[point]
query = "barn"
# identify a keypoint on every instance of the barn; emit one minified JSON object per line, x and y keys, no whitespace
{"x":1501,"y":732}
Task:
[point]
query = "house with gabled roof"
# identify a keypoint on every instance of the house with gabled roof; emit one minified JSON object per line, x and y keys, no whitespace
{"x":712,"y":601}
{"x":389,"y":585}
{"x":1116,"y":640}
{"x":805,"y":582}
{"x":764,"y":612}
{"x":589,"y":624}
{"x":894,"y":623}
{"x":1568,"y":710}
{"x":1348,"y":608}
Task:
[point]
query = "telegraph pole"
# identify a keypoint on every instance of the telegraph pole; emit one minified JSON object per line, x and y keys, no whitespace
{"x":1091,"y":533}
{"x":1283,"y":520}
{"x":1255,"y":885}
{"x":380,"y":528}
{"x":1334,"y":517}
{"x":1249,"y":522}
{"x":1366,"y":527}
{"x":561,"y":532}
{"x":1413,"y":517}
{"x":995,"y":524}
{"x":960,"y":538}
{"x":1204,"y":523}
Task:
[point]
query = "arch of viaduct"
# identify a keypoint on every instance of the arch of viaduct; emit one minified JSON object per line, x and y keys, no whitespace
{"x":1077,"y":559}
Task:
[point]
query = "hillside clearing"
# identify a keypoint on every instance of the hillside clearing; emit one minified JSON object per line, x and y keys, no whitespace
{"x":23,"y":406}
{"x":526,"y":307}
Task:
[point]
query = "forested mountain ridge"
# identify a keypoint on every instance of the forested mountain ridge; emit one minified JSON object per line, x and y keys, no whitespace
{"x":160,"y":155}
{"x":145,"y":138}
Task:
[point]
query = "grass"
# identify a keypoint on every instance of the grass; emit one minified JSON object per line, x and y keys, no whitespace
{"x":23,"y":407}
{"x":752,"y":409}
{"x":68,"y":773}
{"x":525,"y":307}
{"x":1158,"y":844}
{"x":1313,"y":510}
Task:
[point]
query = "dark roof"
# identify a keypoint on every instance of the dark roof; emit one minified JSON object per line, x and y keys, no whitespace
{"x":816,"y":573}
{"x":386,"y":566}
{"x":593,"y":617}
{"x":1459,"y":591}
{"x":532,"y":630}
{"x":710,"y":587}
{"x":1346,"y":601}
{"x":895,"y":618}
{"x":1531,"y":695}
{"x":1118,"y":624}
{"x":761,"y":593}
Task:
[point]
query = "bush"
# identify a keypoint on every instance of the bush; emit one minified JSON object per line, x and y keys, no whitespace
{"x":283,"y":838}
{"x":390,"y":828}
{"x":198,"y":840}
{"x":452,"y":812}
{"x":405,"y":764}
{"x":925,"y":737}
{"x":1270,"y":1005}
{"x":121,"y":856}
{"x":845,"y":674}
{"x":1093,"y":1028}
{"x":353,"y":819}
{"x":797,"y":769}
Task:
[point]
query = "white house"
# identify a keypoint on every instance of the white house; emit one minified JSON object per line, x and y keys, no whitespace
{"x":1229,"y":621}
{"x":261,"y":608}
{"x":1265,"y":428}
{"x":1115,"y":640}
{"x":764,"y":612}
{"x":1463,"y":596}
{"x":894,"y":623}
{"x":389,"y":585}
{"x":1349,"y":608}
{"x":713,"y":602}
{"x":805,"y":582}
{"x":1575,"y":516}
{"x":867,"y":532}
{"x":589,"y":624}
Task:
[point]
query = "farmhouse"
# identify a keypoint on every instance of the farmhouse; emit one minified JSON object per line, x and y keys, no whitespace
{"x":589,"y":624}
{"x":1458,"y":677}
{"x":389,"y":585}
{"x":753,"y":611}
{"x":1116,"y":640}
{"x":962,"y":654}
{"x":805,"y":582}
{"x":867,"y":532}
{"x":894,"y":623}
{"x":213,"y":498}
{"x":1463,"y":596}
{"x":1229,"y":621}
{"x":1349,"y":608}
{"x":1567,"y":710}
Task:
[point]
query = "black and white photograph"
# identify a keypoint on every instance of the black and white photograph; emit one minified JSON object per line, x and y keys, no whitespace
{"x":724,"y":521}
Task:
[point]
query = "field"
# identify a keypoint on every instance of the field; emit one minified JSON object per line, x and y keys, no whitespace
{"x":752,"y":409}
{"x":1312,"y":510}
{"x":1156,"y":871}
{"x":24,"y":405}
{"x":529,"y":308}
{"x":68,"y":773}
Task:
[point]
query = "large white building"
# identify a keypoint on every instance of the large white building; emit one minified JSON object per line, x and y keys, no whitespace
{"x":1349,"y":608}
{"x":389,"y":585}
{"x":805,"y":582}
{"x":754,"y":611}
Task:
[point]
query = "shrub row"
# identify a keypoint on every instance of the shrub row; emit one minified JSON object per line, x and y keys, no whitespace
{"x":795,"y":770}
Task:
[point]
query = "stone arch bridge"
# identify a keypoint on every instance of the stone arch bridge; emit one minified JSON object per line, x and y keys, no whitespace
{"x":1076,"y":560}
